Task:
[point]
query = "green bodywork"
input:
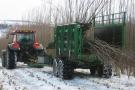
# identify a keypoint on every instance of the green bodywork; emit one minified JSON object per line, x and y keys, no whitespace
{"x":68,"y":44}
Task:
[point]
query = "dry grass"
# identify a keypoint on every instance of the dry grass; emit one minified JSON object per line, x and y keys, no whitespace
{"x":4,"y":42}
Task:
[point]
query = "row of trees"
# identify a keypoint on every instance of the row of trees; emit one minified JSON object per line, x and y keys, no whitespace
{"x":53,"y":13}
{"x":4,"y":26}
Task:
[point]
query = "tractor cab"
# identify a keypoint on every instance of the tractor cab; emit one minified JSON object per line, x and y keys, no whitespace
{"x":24,"y":38}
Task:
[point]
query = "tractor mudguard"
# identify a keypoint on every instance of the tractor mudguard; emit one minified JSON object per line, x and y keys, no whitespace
{"x":39,"y":48}
{"x":13,"y":48}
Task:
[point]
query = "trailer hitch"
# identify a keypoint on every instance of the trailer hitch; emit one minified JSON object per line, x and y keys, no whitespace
{"x":31,"y":58}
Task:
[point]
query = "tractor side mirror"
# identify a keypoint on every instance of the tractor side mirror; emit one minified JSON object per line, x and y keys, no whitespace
{"x":7,"y":36}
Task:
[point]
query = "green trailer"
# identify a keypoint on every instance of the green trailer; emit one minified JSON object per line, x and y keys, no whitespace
{"x":69,"y":47}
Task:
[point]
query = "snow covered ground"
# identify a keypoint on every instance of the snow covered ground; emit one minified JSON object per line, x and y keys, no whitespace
{"x":27,"y":78}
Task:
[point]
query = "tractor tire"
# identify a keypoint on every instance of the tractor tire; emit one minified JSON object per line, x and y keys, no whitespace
{"x":65,"y":69}
{"x":11,"y":59}
{"x":55,"y":67}
{"x":92,"y":71}
{"x":3,"y":58}
{"x":105,"y":70}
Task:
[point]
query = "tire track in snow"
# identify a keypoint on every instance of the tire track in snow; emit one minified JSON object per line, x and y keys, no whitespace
{"x":20,"y":77}
{"x":76,"y":81}
{"x":35,"y":79}
{"x":24,"y":77}
{"x":48,"y":77}
{"x":113,"y":82}
{"x":81,"y":80}
{"x":45,"y":75}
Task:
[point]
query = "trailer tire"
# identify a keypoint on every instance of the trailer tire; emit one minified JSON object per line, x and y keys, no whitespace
{"x":55,"y":67}
{"x":3,"y":58}
{"x":65,"y":69}
{"x":11,"y":59}
{"x":105,"y":70}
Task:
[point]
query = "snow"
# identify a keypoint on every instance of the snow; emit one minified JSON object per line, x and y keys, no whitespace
{"x":28,"y":78}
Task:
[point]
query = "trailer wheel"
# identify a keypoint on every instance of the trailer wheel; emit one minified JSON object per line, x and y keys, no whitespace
{"x":65,"y":69}
{"x":105,"y":70}
{"x":3,"y":58}
{"x":11,"y":59}
{"x":55,"y":67}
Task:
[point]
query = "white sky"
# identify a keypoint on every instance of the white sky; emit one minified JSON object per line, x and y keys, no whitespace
{"x":14,"y":9}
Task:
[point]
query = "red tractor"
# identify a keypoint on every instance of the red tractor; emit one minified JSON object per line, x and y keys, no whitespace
{"x":24,"y":48}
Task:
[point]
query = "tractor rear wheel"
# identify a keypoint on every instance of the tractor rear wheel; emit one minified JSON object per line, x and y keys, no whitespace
{"x":11,"y":59}
{"x":65,"y":69}
{"x":3,"y":58}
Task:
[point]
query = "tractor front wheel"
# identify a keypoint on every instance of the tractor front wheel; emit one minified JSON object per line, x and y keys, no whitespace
{"x":11,"y":59}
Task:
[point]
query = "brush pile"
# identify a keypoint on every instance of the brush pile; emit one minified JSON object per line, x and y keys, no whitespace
{"x":123,"y":61}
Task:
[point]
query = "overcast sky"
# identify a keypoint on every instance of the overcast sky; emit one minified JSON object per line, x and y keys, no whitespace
{"x":14,"y":9}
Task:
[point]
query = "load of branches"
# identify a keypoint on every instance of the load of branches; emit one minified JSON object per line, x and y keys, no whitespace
{"x":122,"y":60}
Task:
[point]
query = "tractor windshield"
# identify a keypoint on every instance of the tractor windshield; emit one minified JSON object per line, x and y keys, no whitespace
{"x":25,"y":38}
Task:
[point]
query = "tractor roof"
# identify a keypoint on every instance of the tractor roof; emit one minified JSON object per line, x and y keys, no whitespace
{"x":23,"y":31}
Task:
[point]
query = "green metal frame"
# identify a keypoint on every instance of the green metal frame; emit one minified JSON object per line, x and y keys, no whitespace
{"x":68,"y":43}
{"x":112,"y":20}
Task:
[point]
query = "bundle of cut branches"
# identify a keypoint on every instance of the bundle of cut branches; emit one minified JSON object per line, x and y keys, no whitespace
{"x":122,"y":60}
